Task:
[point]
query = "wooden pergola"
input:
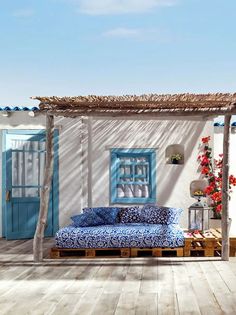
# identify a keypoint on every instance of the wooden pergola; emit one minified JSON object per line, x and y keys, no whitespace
{"x":151,"y":105}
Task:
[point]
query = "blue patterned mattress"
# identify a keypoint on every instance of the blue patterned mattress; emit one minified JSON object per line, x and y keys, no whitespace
{"x":120,"y":235}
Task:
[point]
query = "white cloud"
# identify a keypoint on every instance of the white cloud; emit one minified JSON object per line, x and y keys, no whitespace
{"x":138,"y":34}
{"x":23,"y":13}
{"x":105,"y":7}
{"x":123,"y":32}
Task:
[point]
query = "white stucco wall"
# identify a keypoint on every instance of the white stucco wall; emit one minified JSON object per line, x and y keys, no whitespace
{"x":218,"y":149}
{"x":172,"y":180}
{"x":81,"y":185}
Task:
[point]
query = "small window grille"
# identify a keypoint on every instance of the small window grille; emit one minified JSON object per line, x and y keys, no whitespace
{"x":133,"y":175}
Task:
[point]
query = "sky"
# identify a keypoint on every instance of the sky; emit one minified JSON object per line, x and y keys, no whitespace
{"x":107,"y":47}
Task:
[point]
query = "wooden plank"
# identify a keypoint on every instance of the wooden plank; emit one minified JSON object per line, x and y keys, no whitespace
{"x":204,"y":296}
{"x":156,"y":252}
{"x":146,"y":303}
{"x":133,"y":277}
{"x":232,"y":265}
{"x":87,"y":302}
{"x":82,"y":277}
{"x":198,"y":236}
{"x":127,"y":303}
{"x":115,"y":282}
{"x":225,"y":222}
{"x":45,"y":193}
{"x":101,"y":277}
{"x":218,"y":287}
{"x":106,"y":304}
{"x":226,"y":274}
{"x":149,"y":282}
{"x":167,"y":303}
{"x":187,"y":301}
{"x":58,"y":253}
{"x":216,"y":233}
{"x":208,"y":235}
{"x":232,"y":247}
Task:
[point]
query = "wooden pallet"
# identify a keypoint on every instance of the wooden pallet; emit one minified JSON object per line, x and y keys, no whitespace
{"x":115,"y":252}
{"x":89,"y":253}
{"x":207,"y":243}
{"x":157,"y":252}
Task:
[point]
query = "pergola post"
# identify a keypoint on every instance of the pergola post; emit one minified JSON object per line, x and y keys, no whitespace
{"x":45,"y":192}
{"x":225,"y":190}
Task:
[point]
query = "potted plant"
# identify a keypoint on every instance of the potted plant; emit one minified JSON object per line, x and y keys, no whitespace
{"x":175,"y":158}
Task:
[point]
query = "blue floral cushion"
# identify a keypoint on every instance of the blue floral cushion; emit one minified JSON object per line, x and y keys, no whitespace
{"x":87,"y":219}
{"x":109,"y":215}
{"x":121,"y":235}
{"x":154,"y":214}
{"x":131,"y":215}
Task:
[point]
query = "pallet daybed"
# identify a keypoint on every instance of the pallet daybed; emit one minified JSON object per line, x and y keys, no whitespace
{"x":205,"y":244}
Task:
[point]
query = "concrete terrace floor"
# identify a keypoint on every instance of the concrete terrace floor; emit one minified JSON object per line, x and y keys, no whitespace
{"x":113,"y":286}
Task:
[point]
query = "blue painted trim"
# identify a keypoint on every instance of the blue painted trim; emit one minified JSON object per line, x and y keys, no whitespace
{"x":221,"y":124}
{"x":115,"y":176}
{"x":18,"y":108}
{"x":153,"y":176}
{"x":8,"y":186}
{"x":22,"y":200}
{"x":3,"y":182}
{"x":26,"y":132}
{"x":31,"y":151}
{"x":135,"y":200}
{"x":133,"y":151}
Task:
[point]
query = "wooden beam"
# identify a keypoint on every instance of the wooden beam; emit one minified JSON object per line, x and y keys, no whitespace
{"x":45,"y":193}
{"x":90,"y":162}
{"x":136,"y":104}
{"x":147,"y":113}
{"x":225,"y":190}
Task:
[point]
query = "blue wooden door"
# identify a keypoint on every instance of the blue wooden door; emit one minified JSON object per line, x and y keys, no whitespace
{"x":25,"y":162}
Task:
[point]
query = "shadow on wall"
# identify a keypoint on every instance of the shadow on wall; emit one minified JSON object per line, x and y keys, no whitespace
{"x":146,"y":133}
{"x":189,"y":138}
{"x":69,"y":168}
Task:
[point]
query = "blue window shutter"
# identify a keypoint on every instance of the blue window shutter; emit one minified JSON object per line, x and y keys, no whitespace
{"x":147,"y":178}
{"x":113,"y":176}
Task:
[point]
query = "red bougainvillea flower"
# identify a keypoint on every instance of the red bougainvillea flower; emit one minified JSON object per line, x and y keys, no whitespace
{"x":205,"y":170}
{"x":205,"y":161}
{"x":232,"y":180}
{"x":216,"y":196}
{"x":211,"y":169}
{"x":209,"y":189}
{"x":206,"y":139}
{"x":219,"y":163}
{"x":219,"y":208}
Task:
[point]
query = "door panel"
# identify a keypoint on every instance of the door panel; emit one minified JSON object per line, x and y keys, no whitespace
{"x":25,"y":162}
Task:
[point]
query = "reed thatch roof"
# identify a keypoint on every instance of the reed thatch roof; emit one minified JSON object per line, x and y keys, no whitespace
{"x":176,"y":104}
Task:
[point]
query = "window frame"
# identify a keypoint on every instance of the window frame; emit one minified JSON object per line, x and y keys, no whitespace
{"x":150,"y":154}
